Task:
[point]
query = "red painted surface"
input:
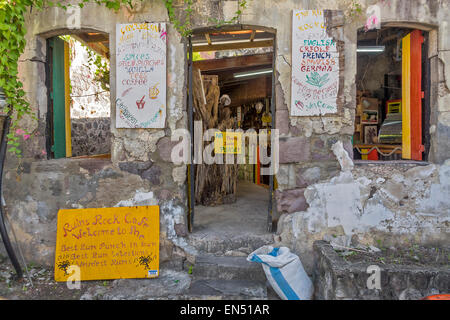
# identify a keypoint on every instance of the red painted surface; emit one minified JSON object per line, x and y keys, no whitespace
{"x":438,"y":297}
{"x":373,"y":155}
{"x":258,"y":167}
{"x":416,"y":94}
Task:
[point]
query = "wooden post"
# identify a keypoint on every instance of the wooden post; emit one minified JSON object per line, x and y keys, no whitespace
{"x":412,"y":96}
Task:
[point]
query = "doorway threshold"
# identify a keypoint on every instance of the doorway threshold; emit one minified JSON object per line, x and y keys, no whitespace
{"x":233,"y":229}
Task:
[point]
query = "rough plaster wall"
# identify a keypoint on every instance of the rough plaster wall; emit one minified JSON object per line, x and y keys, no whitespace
{"x":356,"y":202}
{"x":140,"y":171}
{"x":394,"y":204}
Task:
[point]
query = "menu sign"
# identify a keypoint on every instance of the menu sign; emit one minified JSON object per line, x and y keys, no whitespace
{"x":315,"y":66}
{"x":108,"y":243}
{"x":141,"y":75}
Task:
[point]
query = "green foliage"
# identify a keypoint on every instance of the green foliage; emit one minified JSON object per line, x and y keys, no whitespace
{"x":101,"y":72}
{"x":355,"y":9}
{"x":242,"y":5}
{"x":185,"y":28}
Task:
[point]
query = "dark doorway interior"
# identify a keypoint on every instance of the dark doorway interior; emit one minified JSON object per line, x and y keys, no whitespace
{"x":238,"y":68}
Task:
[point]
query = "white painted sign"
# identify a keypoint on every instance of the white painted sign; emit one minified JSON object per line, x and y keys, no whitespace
{"x":315,"y":66}
{"x":141,"y":75}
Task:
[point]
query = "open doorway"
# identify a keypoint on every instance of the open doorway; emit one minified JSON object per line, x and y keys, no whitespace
{"x":392,"y":113}
{"x":78,"y":121}
{"x":232,"y":90}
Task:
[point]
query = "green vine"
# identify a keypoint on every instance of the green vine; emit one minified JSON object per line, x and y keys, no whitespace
{"x":183,"y":28}
{"x":12,"y":45}
{"x":355,"y":9}
{"x":101,"y":72}
{"x":242,"y":5}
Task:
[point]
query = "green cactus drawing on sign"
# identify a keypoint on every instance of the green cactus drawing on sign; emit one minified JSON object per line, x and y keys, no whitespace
{"x":317,"y":80}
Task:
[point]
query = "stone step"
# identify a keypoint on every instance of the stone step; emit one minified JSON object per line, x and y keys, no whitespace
{"x":225,"y":268}
{"x":219,"y":289}
{"x":228,"y":245}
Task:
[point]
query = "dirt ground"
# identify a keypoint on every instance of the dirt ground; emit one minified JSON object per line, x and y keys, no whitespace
{"x":42,"y":286}
{"x":38,"y":282}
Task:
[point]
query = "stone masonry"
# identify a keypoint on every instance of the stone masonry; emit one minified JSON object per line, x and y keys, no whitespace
{"x":319,"y":192}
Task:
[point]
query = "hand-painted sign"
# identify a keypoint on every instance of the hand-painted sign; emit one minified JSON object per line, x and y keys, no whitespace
{"x":228,"y":142}
{"x":141,"y":75}
{"x":315,"y":66}
{"x":108,"y":243}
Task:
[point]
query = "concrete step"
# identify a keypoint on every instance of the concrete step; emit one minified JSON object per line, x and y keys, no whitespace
{"x":225,"y":268}
{"x":228,"y":244}
{"x":227,"y":290}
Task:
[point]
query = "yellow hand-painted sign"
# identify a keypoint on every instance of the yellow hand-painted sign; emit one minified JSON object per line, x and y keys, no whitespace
{"x":108,"y":243}
{"x":228,"y":142}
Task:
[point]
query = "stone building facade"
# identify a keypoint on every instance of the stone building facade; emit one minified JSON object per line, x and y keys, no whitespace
{"x":320,"y":190}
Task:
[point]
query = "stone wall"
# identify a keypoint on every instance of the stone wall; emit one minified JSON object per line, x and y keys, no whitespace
{"x":397,"y":204}
{"x":91,"y":136}
{"x":140,"y":171}
{"x":316,"y":196}
{"x":338,"y":279}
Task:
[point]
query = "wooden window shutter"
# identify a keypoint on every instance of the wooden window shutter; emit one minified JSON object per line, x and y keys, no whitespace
{"x":61,"y":98}
{"x":412,"y":147}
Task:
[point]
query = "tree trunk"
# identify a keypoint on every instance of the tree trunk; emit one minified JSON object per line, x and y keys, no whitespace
{"x":214,"y":184}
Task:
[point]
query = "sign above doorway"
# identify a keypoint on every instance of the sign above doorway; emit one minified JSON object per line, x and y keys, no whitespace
{"x":315,"y":66}
{"x":141,"y":75}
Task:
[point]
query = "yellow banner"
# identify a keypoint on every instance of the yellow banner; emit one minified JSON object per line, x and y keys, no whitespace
{"x":107,"y":243}
{"x":228,"y":142}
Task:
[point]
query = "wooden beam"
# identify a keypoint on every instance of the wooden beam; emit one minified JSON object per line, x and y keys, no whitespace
{"x":255,"y":89}
{"x":105,"y":49}
{"x":235,"y":62}
{"x":95,"y":37}
{"x":410,"y":25}
{"x":202,"y":87}
{"x":236,"y":27}
{"x":98,"y":47}
{"x":208,"y":38}
{"x":406,"y":97}
{"x":233,"y":46}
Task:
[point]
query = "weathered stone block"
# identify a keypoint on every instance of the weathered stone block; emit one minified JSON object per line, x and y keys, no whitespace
{"x":180,"y":229}
{"x":165,"y":146}
{"x":282,"y":121}
{"x":286,"y":177}
{"x":291,"y":200}
{"x":294,"y":150}
{"x":280,"y":102}
{"x":343,"y":280}
{"x":319,"y":151}
{"x":153,"y":174}
{"x":135,"y":167}
{"x":308,"y":176}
